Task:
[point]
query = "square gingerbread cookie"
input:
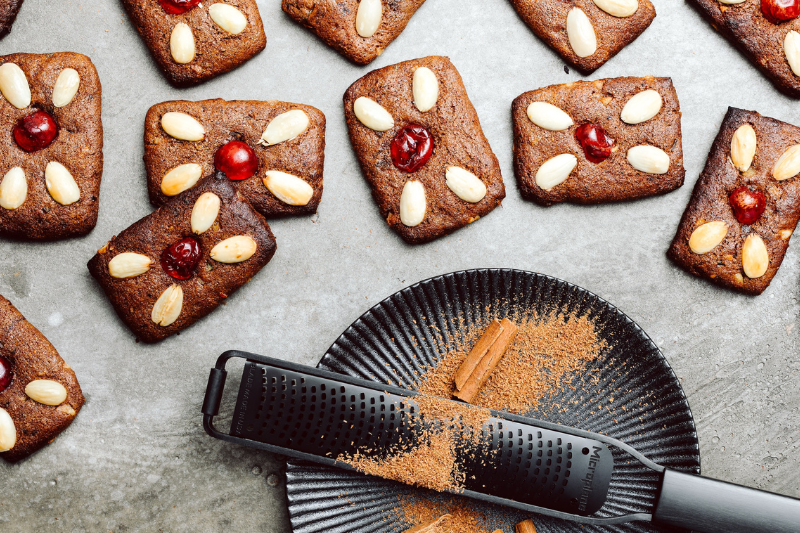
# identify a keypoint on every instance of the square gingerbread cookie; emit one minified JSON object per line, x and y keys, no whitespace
{"x":51,"y":145}
{"x":8,"y":13}
{"x":193,"y":41}
{"x":421,"y":148}
{"x":772,"y":44}
{"x":586,"y":33}
{"x":745,"y":206}
{"x":39,"y":393}
{"x":176,"y":265}
{"x":600,"y":141}
{"x":360,"y":30}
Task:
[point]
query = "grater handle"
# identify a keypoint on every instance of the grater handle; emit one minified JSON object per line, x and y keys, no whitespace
{"x":711,"y":506}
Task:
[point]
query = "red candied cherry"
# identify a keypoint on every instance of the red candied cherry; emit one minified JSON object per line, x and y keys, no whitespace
{"x":36,"y":131}
{"x":596,"y":144}
{"x":5,"y":373}
{"x":747,"y":205}
{"x":176,"y":7}
{"x":181,"y":258}
{"x":237,"y":160}
{"x":778,"y":11}
{"x":411,"y":147}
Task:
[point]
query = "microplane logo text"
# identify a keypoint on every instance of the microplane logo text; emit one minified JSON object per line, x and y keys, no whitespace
{"x":588,"y":480}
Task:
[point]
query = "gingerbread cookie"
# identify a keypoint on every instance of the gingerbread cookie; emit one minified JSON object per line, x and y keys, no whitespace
{"x":600,"y":141}
{"x":8,"y":13}
{"x":421,"y":148}
{"x":192,"y":41}
{"x":360,"y":30}
{"x":586,"y":33}
{"x":176,"y":265}
{"x":745,"y":206}
{"x":273,"y":152}
{"x":51,"y":145}
{"x":39,"y":393}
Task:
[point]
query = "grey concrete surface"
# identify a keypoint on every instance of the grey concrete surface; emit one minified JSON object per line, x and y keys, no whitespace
{"x":136,"y":459}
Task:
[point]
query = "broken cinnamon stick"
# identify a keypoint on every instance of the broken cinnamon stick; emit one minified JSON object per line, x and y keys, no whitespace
{"x":488,"y":362}
{"x":429,"y":527}
{"x":526,"y":526}
{"x":477,"y":352}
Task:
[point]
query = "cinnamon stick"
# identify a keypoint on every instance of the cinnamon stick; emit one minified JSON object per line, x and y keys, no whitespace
{"x":429,"y":527}
{"x":488,"y":362}
{"x":477,"y":352}
{"x":526,"y":526}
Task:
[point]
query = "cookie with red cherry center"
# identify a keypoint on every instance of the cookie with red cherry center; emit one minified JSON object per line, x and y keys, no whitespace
{"x":8,"y":13}
{"x":272,"y":152}
{"x":766,"y":31}
{"x":176,"y":265}
{"x":421,"y":148}
{"x":586,"y":33}
{"x":745,"y":206}
{"x":600,"y":141}
{"x":39,"y":393}
{"x":360,"y":30}
{"x":194,"y":41}
{"x":51,"y":145}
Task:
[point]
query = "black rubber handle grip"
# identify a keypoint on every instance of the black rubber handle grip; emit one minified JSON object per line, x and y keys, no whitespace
{"x":711,"y":506}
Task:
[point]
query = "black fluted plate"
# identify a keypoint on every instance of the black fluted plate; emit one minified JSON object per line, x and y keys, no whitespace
{"x":633,"y":396}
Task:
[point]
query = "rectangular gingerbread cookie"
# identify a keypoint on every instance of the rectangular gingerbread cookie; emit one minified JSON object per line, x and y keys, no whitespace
{"x":286,"y":138}
{"x":336,"y":23}
{"x":745,"y":206}
{"x":546,"y":124}
{"x":760,"y":40}
{"x":39,"y":393}
{"x":8,"y":13}
{"x":51,"y":192}
{"x":422,"y":107}
{"x":161,"y":282}
{"x":583,"y":34}
{"x":208,"y":39}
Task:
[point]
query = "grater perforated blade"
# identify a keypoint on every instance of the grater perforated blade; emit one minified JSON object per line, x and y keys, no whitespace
{"x":533,"y":465}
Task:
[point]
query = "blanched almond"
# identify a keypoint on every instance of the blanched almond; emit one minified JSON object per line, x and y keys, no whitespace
{"x":60,"y":184}
{"x":14,"y":85}
{"x":204,"y":212}
{"x":46,"y":391}
{"x":791,"y":47}
{"x":649,"y":159}
{"x":234,"y":249}
{"x":182,"y":126}
{"x":743,"y":147}
{"x":465,"y":184}
{"x":580,"y":32}
{"x":642,"y":107}
{"x":371,"y":114}
{"x":181,"y":44}
{"x":755,"y":258}
{"x":287,"y":188}
{"x":128,"y":265}
{"x":66,"y":87}
{"x":168,"y":307}
{"x":788,"y":164}
{"x":785,"y":233}
{"x":13,"y":188}
{"x":285,"y":127}
{"x":425,"y":87}
{"x":548,"y":116}
{"x":181,"y":178}
{"x":618,"y":8}
{"x":555,"y":170}
{"x":412,"y":203}
{"x":228,"y":18}
{"x":8,"y":431}
{"x":368,"y":17}
{"x":708,"y":236}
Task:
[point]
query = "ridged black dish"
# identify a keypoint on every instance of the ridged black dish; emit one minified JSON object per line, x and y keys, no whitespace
{"x":633,"y":396}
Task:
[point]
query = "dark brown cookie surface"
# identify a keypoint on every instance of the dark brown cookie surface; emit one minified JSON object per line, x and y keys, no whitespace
{"x":212,"y":281}
{"x":216,"y":51}
{"x":78,"y":147}
{"x":756,"y":37}
{"x":8,"y":13}
{"x":598,"y":102}
{"x":33,"y":358}
{"x":335,"y":24}
{"x":710,"y":203}
{"x":548,"y":20}
{"x":223,"y":121}
{"x":458,"y":142}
